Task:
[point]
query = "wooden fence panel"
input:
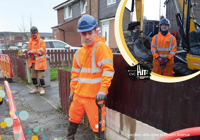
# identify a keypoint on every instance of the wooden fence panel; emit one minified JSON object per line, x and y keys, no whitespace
{"x":165,"y":106}
{"x":21,"y":69}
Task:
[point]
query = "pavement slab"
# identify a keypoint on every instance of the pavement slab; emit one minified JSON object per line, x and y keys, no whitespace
{"x":42,"y":114}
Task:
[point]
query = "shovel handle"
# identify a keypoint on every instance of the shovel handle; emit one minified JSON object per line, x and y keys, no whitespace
{"x":100,"y":124}
{"x":101,"y":105}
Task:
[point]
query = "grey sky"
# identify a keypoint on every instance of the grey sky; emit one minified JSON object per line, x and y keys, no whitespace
{"x":151,"y":8}
{"x":43,"y":14}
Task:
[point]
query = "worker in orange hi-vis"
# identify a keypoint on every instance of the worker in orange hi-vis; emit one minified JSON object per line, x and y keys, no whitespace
{"x":163,"y":48}
{"x":91,"y":77}
{"x":37,"y":60}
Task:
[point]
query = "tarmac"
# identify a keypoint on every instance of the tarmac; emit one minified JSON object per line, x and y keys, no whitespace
{"x":42,"y":113}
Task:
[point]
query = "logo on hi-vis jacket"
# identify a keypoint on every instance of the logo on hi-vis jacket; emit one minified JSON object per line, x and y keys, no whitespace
{"x":138,"y":72}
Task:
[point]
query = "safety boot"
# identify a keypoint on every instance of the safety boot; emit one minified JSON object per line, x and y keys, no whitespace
{"x":72,"y":127}
{"x":35,"y":90}
{"x":42,"y":91}
{"x":96,"y":136}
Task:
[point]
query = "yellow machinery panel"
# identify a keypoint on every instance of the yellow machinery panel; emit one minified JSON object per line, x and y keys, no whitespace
{"x":193,"y":62}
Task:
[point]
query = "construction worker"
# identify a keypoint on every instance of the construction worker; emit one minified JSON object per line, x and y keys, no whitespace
{"x":163,"y":48}
{"x":37,"y":60}
{"x":91,"y":76}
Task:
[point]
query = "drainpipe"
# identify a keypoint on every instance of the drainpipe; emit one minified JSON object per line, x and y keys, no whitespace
{"x":90,"y":7}
{"x":99,"y":24}
{"x":63,"y":33}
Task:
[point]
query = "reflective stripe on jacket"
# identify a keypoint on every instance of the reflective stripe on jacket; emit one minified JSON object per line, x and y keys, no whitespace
{"x":92,"y":69}
{"x":38,"y":46}
{"x":163,"y":46}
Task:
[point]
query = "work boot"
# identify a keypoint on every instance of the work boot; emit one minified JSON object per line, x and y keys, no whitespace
{"x":72,"y":127}
{"x":96,"y":136}
{"x":42,"y":91}
{"x":35,"y":90}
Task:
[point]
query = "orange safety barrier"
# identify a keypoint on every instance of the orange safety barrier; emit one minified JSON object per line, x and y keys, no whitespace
{"x":194,"y":131}
{"x":6,"y":66}
{"x":17,"y":128}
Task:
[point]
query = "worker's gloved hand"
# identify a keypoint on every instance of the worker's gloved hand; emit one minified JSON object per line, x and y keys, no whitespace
{"x":166,"y":60}
{"x":100,"y":96}
{"x":71,"y":97}
{"x":161,"y":60}
{"x":30,"y":52}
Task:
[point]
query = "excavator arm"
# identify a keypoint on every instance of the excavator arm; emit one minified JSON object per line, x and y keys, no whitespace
{"x":140,"y":44}
{"x":139,"y":4}
{"x":190,"y":38}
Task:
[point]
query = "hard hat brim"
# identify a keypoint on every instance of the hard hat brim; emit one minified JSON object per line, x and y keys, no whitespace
{"x":34,"y":32}
{"x":86,"y":30}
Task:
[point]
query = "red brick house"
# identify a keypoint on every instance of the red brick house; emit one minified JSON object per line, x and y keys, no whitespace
{"x":103,"y":11}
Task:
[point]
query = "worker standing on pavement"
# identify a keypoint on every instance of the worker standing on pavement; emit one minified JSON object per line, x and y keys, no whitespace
{"x":37,"y":60}
{"x":163,"y":48}
{"x":91,"y":77}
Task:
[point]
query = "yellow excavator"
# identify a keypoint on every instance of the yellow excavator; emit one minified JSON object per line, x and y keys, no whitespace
{"x":187,"y":58}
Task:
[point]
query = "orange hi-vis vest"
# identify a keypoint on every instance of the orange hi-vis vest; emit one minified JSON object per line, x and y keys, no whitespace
{"x":39,"y":50}
{"x":163,"y":46}
{"x":92,"y":69}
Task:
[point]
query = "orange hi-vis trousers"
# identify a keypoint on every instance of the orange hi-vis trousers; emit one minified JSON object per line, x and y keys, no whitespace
{"x":80,"y":105}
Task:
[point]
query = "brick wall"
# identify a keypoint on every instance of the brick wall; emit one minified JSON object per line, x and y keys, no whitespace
{"x":59,"y":34}
{"x":60,"y":15}
{"x":94,"y":9}
{"x":72,"y":37}
{"x":112,"y":41}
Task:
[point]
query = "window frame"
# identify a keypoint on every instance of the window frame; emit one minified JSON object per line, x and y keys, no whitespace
{"x":68,"y":16}
{"x":106,"y":25}
{"x":110,"y":3}
{"x":81,"y":6}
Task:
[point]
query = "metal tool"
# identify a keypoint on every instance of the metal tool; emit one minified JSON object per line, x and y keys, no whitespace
{"x":100,"y":124}
{"x":162,"y":69}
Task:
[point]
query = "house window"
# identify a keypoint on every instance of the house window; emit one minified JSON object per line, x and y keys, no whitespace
{"x":68,"y":12}
{"x":110,"y":2}
{"x":1,"y":37}
{"x":83,"y":5}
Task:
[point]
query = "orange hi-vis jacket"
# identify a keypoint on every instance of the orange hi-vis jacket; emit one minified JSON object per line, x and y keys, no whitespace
{"x":38,"y":46}
{"x":92,"y":69}
{"x":163,"y":46}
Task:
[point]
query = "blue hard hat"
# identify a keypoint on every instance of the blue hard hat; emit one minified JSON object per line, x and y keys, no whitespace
{"x":86,"y":23}
{"x":165,"y":21}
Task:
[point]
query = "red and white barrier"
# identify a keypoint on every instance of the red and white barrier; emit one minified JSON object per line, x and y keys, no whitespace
{"x":17,"y":128}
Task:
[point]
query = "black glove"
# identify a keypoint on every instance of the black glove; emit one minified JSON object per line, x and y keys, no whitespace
{"x":100,"y":96}
{"x":71,"y":97}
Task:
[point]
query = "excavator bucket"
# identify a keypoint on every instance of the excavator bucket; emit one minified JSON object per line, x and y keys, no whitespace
{"x":140,"y":48}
